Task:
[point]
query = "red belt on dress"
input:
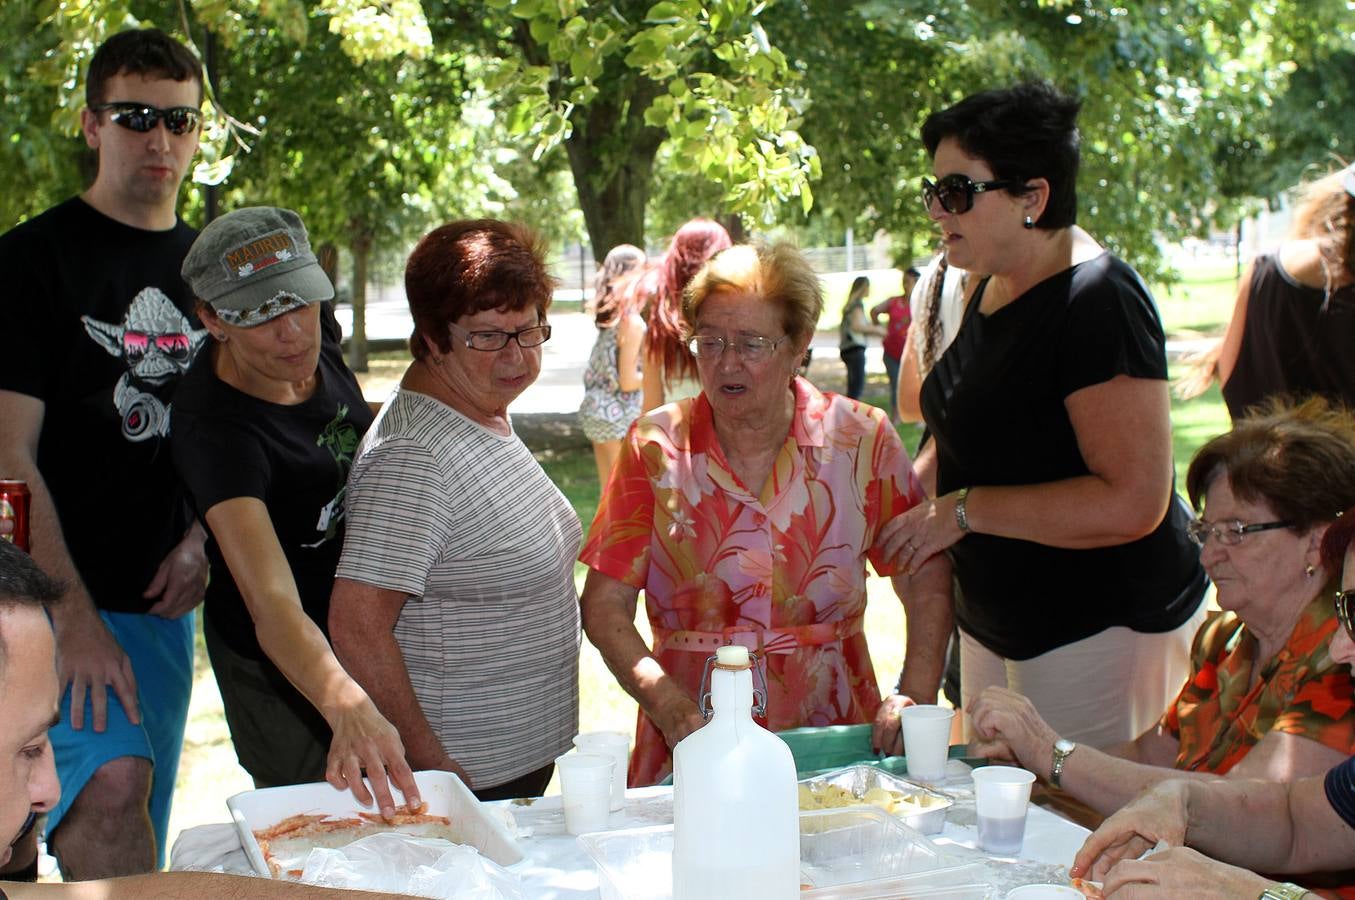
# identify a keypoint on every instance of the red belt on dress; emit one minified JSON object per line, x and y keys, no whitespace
{"x":760,"y":640}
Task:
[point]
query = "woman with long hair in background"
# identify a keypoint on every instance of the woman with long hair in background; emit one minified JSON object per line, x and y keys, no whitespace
{"x":669,"y":370}
{"x":612,"y":383}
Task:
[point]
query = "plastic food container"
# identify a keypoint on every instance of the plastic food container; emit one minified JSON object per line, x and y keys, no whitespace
{"x":858,"y":780}
{"x":842,"y":851}
{"x":444,"y":793}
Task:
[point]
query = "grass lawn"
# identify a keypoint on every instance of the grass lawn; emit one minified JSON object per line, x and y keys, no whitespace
{"x":209,"y":773}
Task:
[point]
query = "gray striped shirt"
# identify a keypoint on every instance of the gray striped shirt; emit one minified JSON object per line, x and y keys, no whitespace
{"x":466,"y":523}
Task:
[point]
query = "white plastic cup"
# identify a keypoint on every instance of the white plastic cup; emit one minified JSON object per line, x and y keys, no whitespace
{"x":1001,"y":795}
{"x":926,"y":740}
{"x":586,"y":790}
{"x":616,"y":745}
{"x":1045,"y":892}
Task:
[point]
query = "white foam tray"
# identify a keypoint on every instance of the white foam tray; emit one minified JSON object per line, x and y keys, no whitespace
{"x":444,"y":793}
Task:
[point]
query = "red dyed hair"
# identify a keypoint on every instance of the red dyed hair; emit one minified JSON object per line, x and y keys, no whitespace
{"x":1337,"y":540}
{"x":662,"y":286}
{"x":470,"y":266}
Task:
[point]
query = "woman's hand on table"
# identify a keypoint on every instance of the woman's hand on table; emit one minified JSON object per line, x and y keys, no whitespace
{"x":1181,"y":872}
{"x":1157,"y":816}
{"x":886,"y":733}
{"x":915,"y":536}
{"x":364,"y":741}
{"x":1007,"y":727}
{"x":677,"y":718}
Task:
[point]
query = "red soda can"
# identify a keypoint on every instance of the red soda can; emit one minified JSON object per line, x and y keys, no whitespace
{"x":14,"y":499}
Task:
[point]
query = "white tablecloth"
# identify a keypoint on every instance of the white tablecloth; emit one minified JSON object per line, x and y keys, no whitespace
{"x":557,"y":867}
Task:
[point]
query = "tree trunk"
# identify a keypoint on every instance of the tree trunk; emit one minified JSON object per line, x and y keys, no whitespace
{"x":611,"y":155}
{"x":361,"y":247}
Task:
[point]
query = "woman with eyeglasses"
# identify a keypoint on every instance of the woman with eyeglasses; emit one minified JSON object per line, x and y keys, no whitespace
{"x":455,"y":604}
{"x":747,"y":515}
{"x":1263,"y":699}
{"x":1051,"y":444}
{"x":265,"y":424}
{"x":1246,"y":826}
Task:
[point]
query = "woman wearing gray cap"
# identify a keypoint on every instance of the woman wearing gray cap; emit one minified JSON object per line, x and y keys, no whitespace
{"x":265,"y":425}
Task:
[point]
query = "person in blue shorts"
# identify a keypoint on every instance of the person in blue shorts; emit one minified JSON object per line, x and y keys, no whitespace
{"x":98,"y":331}
{"x":28,"y":781}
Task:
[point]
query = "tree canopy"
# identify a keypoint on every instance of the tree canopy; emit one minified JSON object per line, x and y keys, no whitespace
{"x":378,"y":120}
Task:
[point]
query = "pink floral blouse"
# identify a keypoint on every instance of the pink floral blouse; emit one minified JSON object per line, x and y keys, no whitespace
{"x":782,"y":573}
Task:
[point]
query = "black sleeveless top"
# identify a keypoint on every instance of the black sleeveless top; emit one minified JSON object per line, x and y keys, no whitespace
{"x":1289,"y":344}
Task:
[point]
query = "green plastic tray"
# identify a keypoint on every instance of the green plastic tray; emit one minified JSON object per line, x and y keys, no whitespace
{"x":828,"y":747}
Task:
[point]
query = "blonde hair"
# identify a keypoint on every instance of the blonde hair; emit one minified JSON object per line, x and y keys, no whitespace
{"x":777,"y":273}
{"x":1324,"y":213}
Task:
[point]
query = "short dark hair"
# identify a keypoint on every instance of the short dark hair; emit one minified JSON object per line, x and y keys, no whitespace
{"x":470,"y":266}
{"x":22,"y":583}
{"x":1298,"y":459}
{"x":146,"y":52}
{"x":1021,"y":132}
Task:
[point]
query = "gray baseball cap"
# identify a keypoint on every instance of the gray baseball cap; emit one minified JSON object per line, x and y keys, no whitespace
{"x":254,"y":264}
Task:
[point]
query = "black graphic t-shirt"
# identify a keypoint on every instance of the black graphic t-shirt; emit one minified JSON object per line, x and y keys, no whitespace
{"x":96,"y":322}
{"x":295,"y":459}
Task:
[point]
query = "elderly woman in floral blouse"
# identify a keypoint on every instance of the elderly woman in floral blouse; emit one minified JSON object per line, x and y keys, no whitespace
{"x":1265,"y":698}
{"x":747,"y":515}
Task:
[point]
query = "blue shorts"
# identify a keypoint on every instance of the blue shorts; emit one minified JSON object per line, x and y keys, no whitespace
{"x":161,"y":651}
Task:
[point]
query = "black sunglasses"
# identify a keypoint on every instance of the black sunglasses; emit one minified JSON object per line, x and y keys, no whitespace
{"x":1343,"y":602}
{"x":956,"y":192}
{"x":141,"y":118}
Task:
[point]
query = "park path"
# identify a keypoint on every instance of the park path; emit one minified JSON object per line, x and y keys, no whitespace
{"x":559,"y":389}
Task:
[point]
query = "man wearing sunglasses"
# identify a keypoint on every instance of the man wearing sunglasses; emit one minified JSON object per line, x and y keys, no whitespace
{"x":98,"y":332}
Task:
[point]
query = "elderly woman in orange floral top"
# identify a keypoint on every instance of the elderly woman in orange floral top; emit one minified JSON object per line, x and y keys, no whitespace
{"x":1265,"y":699}
{"x":747,"y":514}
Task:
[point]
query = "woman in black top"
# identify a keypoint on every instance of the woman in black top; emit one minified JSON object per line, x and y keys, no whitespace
{"x":1294,"y":319}
{"x":1051,"y":436}
{"x":265,"y":429}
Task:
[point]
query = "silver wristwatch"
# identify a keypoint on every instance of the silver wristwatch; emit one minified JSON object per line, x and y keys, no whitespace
{"x":1286,"y":891}
{"x":1063,"y":748}
{"x":961,"y":510}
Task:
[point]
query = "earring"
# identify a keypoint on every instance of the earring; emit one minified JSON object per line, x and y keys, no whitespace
{"x":1029,"y":223}
{"x":221,"y":336}
{"x":1309,"y":571}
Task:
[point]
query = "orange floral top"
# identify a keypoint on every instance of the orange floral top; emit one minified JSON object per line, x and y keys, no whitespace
{"x":1301,"y":691}
{"x":782,"y":573}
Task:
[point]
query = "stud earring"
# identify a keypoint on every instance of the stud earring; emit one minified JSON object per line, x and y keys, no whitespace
{"x":1309,"y":571}
{"x":1029,"y":223}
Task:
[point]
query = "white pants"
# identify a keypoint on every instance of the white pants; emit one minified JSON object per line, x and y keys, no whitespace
{"x":1102,"y":690}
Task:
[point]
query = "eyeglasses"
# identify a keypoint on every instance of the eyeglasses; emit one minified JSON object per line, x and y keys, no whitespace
{"x":141,"y":118}
{"x":753,"y":349}
{"x":1228,"y":533}
{"x":1343,"y":601}
{"x":956,"y":192}
{"x":489,"y":341}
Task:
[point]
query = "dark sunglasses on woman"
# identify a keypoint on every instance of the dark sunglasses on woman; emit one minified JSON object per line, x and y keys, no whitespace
{"x":141,"y":118}
{"x":956,"y":192}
